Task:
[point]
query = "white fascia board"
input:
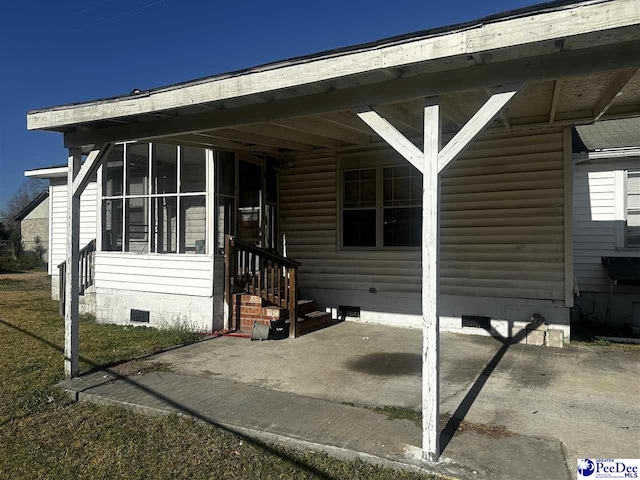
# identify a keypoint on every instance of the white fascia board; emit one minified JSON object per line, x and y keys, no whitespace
{"x":56,"y":172}
{"x":607,"y":154}
{"x":538,"y":27}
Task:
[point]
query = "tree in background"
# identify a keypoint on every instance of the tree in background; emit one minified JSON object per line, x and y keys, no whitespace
{"x":38,"y":248}
{"x":17,"y":247}
{"x":23,"y":196}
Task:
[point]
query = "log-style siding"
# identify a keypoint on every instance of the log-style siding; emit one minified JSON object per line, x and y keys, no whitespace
{"x":502,"y":223}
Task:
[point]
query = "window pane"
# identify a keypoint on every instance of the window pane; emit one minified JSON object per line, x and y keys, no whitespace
{"x":193,"y":224}
{"x":633,"y":182}
{"x":164,"y":217}
{"x":402,"y":227}
{"x":359,"y":228}
{"x":402,"y":186}
{"x":193,"y":170}
{"x":113,"y":172}
{"x":271,"y":180}
{"x":633,"y":209}
{"x":164,"y":168}
{"x":360,"y":188}
{"x":368,"y":193}
{"x":137,"y":225}
{"x":137,"y":168}
{"x":226,"y":173}
{"x":112,"y":217}
{"x":351,"y":194}
{"x":225,"y":221}
{"x":401,"y":191}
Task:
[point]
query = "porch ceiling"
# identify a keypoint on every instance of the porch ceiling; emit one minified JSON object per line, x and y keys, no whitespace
{"x":567,"y":101}
{"x":578,"y":59}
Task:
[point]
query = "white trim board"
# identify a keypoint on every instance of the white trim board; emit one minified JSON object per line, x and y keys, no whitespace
{"x":538,"y":26}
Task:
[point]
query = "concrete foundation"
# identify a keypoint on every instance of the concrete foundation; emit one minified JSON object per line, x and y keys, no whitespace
{"x":508,"y":316}
{"x":195,"y":313}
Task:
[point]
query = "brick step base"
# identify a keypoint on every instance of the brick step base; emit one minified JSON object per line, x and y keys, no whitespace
{"x":253,"y":308}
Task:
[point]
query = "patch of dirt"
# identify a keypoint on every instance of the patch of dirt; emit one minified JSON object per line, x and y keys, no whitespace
{"x":399,"y":413}
{"x":491,"y":431}
{"x":140,"y":367}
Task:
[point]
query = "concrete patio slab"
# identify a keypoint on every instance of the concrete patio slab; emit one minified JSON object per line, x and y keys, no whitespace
{"x":539,"y":408}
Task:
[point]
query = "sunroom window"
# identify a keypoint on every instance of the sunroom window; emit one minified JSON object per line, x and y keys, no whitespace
{"x":162,"y":207}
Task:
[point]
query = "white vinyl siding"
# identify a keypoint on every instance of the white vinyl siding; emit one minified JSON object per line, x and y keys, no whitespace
{"x":502,"y":232}
{"x":175,"y":274}
{"x":598,"y":219}
{"x":58,"y":233}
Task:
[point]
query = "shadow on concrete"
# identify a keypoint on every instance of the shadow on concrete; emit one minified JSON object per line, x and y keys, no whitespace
{"x":387,"y":364}
{"x":456,"y":419}
{"x":313,"y":471}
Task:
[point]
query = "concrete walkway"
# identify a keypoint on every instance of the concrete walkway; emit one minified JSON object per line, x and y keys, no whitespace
{"x":341,"y":430}
{"x":521,"y":409}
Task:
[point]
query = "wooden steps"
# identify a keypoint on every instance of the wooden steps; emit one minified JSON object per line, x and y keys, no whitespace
{"x":310,"y":318}
{"x":272,"y":278}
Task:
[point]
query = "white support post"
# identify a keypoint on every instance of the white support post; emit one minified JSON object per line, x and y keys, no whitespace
{"x":430,"y":247}
{"x":72,"y":271}
{"x":392,"y":136}
{"x":473,"y":127}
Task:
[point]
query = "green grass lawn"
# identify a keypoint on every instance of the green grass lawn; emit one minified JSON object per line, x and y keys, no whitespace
{"x":44,"y":435}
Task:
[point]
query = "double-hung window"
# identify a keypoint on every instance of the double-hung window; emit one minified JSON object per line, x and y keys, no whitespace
{"x":382,"y":207}
{"x":154,"y":199}
{"x":632,"y":230}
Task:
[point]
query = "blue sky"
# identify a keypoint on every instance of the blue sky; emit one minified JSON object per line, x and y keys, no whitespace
{"x":70,"y":50}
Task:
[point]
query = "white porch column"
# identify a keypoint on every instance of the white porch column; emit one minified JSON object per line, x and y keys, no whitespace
{"x":430,"y":248}
{"x":72,"y":271}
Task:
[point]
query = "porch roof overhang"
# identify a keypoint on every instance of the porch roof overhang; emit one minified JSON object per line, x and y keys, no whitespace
{"x":45,"y":173}
{"x":579,"y":61}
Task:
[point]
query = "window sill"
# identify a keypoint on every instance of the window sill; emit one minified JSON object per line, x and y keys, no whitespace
{"x":163,"y":255}
{"x":379,"y":249}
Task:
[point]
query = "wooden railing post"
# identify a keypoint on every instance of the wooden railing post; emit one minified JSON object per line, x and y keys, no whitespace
{"x":61,"y":287}
{"x":228,"y":297}
{"x":293,"y":302}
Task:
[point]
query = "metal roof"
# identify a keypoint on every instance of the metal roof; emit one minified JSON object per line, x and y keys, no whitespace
{"x":610,"y":134}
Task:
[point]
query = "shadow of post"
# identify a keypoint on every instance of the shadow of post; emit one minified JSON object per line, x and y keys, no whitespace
{"x":179,"y":407}
{"x":452,"y":425}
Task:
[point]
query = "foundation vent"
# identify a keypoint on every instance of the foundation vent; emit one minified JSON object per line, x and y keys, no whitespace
{"x":475,"y":321}
{"x":140,"y":316}
{"x":346,"y":311}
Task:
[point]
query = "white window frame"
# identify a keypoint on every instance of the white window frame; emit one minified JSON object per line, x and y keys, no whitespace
{"x":379,"y":208}
{"x":149,"y":196}
{"x":626,"y":208}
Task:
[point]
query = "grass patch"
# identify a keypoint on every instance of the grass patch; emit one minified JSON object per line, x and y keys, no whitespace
{"x":400,"y":413}
{"x":44,"y":435}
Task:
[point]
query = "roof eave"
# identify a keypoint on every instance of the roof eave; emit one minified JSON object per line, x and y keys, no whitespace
{"x":551,"y":22}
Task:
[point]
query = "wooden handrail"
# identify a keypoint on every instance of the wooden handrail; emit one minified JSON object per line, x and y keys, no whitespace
{"x":262,"y":252}
{"x":86,"y":271}
{"x":259,"y":272}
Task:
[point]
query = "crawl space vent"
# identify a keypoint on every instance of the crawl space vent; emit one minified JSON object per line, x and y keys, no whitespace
{"x":140,"y":316}
{"x":475,"y":321}
{"x":346,"y":311}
